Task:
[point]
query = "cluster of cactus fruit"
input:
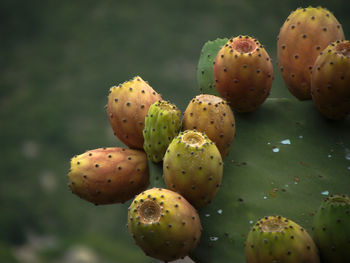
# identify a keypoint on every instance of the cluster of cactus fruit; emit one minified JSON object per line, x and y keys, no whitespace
{"x":234,"y":75}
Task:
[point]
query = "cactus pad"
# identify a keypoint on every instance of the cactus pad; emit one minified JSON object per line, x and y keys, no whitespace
{"x":205,"y":76}
{"x":285,"y":159}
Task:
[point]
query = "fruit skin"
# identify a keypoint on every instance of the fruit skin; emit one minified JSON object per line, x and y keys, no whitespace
{"x":331,"y":229}
{"x":163,"y":224}
{"x":108,"y":175}
{"x":278,"y":239}
{"x":127,"y":106}
{"x":193,"y":167}
{"x":330,"y":81}
{"x":205,"y":75}
{"x":243,"y":73}
{"x":213,"y":116}
{"x":162,"y":124}
{"x":305,"y":33}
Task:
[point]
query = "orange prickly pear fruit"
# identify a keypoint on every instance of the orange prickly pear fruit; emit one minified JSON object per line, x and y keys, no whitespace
{"x":108,"y":175}
{"x":127,"y":107}
{"x":305,"y":33}
{"x":243,"y":73}
{"x":330,"y":81}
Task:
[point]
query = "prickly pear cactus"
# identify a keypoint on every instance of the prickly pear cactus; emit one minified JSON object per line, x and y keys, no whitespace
{"x":243,"y":73}
{"x":193,"y":167}
{"x":108,"y":175}
{"x":213,"y":116}
{"x":278,"y":239}
{"x":164,"y":224}
{"x":205,"y":76}
{"x":285,"y":159}
{"x":127,"y":106}
{"x":162,"y":124}
{"x":304,"y":34}
{"x":331,"y":229}
{"x":330,"y":81}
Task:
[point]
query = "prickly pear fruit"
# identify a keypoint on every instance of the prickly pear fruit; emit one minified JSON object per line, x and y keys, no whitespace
{"x":205,"y":75}
{"x":213,"y":116}
{"x":305,"y":33}
{"x":278,"y":239}
{"x":193,"y":167}
{"x":163,"y":224}
{"x":162,"y":124}
{"x":331,"y":229}
{"x":330,"y":81}
{"x":243,"y":73}
{"x":109,"y":175}
{"x":127,"y":106}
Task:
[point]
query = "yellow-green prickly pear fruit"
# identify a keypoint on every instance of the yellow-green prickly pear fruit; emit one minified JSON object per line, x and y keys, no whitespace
{"x":193,"y":167}
{"x":162,"y":124}
{"x":331,"y":229}
{"x":330,"y":81}
{"x":108,"y":175}
{"x":163,"y":224}
{"x":305,"y":33}
{"x":243,"y":73}
{"x":127,"y":106}
{"x":278,"y":239}
{"x":213,"y":116}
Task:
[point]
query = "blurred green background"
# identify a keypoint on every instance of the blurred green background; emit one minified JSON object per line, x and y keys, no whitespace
{"x":58,"y":60}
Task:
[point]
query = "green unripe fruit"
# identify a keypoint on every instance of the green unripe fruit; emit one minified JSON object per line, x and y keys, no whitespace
{"x":162,"y":124}
{"x":331,"y":229}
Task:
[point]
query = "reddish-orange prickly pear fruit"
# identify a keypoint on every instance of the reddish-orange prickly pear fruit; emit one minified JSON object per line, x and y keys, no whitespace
{"x":243,"y":73}
{"x":305,"y":33}
{"x":330,"y":81}
{"x":127,"y":107}
{"x":213,"y":116}
{"x":109,"y":175}
{"x":163,"y":224}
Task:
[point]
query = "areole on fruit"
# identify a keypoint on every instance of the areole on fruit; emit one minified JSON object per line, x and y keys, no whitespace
{"x":243,"y":45}
{"x":343,"y":48}
{"x":207,"y":98}
{"x":194,"y":139}
{"x":273,"y":224}
{"x":149,"y":212}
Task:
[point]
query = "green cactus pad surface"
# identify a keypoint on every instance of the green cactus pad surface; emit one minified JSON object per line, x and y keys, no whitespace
{"x":205,"y":76}
{"x":286,"y":158}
